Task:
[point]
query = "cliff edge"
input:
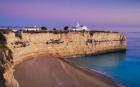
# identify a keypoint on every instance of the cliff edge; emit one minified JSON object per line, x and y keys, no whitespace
{"x":64,"y":43}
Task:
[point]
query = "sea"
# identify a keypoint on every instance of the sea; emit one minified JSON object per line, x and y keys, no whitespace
{"x":123,"y":67}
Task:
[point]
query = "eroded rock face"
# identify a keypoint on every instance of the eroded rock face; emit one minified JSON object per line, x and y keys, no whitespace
{"x":6,"y":68}
{"x":65,"y":44}
{"x":54,"y":44}
{"x":6,"y":64}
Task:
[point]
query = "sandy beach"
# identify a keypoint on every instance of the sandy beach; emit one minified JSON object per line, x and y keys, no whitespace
{"x":54,"y":72}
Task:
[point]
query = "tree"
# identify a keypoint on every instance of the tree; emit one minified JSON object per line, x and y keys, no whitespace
{"x":66,"y":28}
{"x":54,"y":29}
{"x":43,"y":28}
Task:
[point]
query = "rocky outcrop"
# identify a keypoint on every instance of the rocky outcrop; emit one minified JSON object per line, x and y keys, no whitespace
{"x":61,"y":44}
{"x":6,"y":68}
{"x":6,"y":65}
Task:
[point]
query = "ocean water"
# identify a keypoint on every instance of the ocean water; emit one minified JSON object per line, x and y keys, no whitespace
{"x":121,"y":66}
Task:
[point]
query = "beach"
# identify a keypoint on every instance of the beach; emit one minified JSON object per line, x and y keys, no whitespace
{"x":45,"y":71}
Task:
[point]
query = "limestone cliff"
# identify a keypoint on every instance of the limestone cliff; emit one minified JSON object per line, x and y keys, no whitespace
{"x":60,"y":44}
{"x":6,"y":65}
{"x":65,"y":43}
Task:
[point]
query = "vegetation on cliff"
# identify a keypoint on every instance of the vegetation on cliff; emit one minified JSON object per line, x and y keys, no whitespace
{"x":2,"y":39}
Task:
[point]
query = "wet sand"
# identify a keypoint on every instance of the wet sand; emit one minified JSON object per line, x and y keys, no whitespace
{"x":54,"y":72}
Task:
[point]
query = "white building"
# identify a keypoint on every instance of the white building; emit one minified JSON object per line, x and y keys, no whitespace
{"x":14,"y":30}
{"x":80,"y":28}
{"x":31,"y":28}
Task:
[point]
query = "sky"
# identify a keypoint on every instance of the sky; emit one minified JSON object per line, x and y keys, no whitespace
{"x":58,"y":13}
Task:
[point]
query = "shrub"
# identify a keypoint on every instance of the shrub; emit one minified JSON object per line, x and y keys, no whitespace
{"x":43,"y":28}
{"x":66,"y":28}
{"x":2,"y":39}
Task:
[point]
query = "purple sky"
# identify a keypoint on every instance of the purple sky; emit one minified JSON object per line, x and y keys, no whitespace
{"x":57,"y":13}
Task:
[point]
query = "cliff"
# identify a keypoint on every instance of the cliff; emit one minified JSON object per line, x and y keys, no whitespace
{"x":65,"y":43}
{"x":61,"y":44}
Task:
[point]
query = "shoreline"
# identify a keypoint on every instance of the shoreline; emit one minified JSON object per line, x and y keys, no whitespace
{"x":119,"y":83}
{"x":87,"y":71}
